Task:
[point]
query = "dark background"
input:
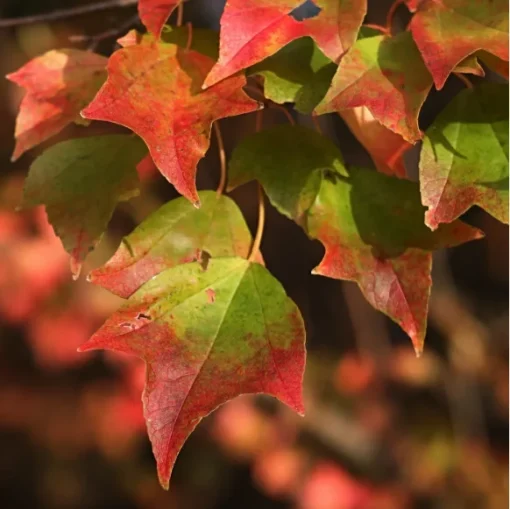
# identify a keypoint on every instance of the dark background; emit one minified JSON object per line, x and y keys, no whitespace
{"x":383,"y":429}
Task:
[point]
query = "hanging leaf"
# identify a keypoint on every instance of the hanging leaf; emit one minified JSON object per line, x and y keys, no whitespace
{"x":464,"y":158}
{"x":80,"y":182}
{"x":370,"y":224}
{"x":252,"y":31}
{"x":176,"y":233}
{"x":206,"y":337}
{"x":154,"y":13}
{"x":385,"y":147}
{"x":58,"y":85}
{"x":154,"y":89}
{"x":447,"y":31}
{"x":387,"y":76}
{"x":299,"y":73}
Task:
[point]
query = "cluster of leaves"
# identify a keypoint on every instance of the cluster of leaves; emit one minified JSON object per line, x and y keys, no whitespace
{"x":202,"y":310}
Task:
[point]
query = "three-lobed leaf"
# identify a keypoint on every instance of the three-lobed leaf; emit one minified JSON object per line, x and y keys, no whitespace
{"x":252,"y":31}
{"x":385,"y":75}
{"x":80,"y":182}
{"x":448,"y":31}
{"x":464,"y":158}
{"x":206,"y":337}
{"x":176,"y":233}
{"x":58,"y":85}
{"x":154,"y":89}
{"x":370,"y":224}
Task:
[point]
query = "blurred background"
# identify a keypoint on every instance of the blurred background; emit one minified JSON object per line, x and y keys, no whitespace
{"x":383,"y":429}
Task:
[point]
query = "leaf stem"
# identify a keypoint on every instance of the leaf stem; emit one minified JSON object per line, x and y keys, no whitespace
{"x":260,"y":226}
{"x":255,"y":248}
{"x":380,"y":28}
{"x":180,"y":14}
{"x":66,"y":13}
{"x":391,"y":14}
{"x":223,"y":159}
{"x":464,"y":80}
{"x":190,"y":35}
{"x":316,"y":124}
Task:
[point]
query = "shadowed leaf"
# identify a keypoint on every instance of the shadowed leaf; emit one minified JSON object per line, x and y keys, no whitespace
{"x":80,"y":182}
{"x":370,"y":224}
{"x":464,"y":158}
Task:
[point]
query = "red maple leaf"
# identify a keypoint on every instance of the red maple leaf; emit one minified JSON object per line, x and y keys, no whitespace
{"x":447,"y":31}
{"x":252,"y":31}
{"x":58,"y":84}
{"x":154,"y":89}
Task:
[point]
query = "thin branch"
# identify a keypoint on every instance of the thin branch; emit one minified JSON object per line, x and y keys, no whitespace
{"x":260,"y":227}
{"x":223,"y":158}
{"x":94,"y":40}
{"x":66,"y":13}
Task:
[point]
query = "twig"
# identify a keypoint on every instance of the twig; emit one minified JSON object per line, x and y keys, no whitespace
{"x":223,"y":159}
{"x":66,"y":13}
{"x":112,"y":32}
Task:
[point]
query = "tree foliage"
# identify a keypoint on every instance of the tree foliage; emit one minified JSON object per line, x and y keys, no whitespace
{"x":201,"y":309}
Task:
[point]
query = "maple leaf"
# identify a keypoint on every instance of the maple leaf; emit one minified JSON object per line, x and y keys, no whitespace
{"x":447,"y":31}
{"x":299,"y":73}
{"x":176,"y":233}
{"x":387,"y":76}
{"x":206,"y":337}
{"x":58,"y":85}
{"x":370,"y":224}
{"x":80,"y":182}
{"x":154,"y":13}
{"x":154,"y":89}
{"x":464,"y":158}
{"x":252,"y":31}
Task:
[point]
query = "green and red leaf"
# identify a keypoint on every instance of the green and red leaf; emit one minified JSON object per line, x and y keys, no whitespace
{"x":206,"y":337}
{"x":370,"y":224}
{"x":58,"y":85}
{"x":447,"y":31}
{"x":176,"y":233}
{"x":464,"y":158}
{"x":387,"y":76}
{"x":80,"y":182}
{"x":252,"y":30}
{"x":155,"y":90}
